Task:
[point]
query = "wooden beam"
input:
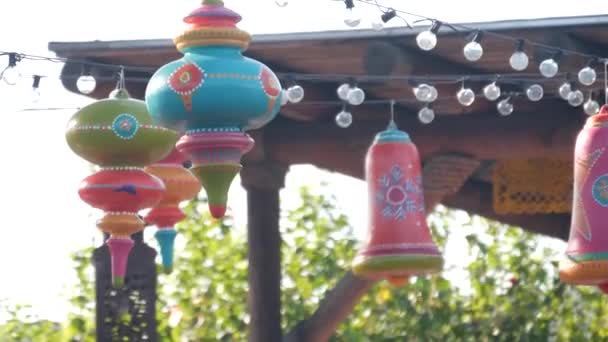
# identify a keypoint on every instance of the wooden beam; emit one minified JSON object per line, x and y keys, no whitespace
{"x":444,"y":175}
{"x":341,"y":300}
{"x":484,"y":137}
{"x":476,"y":198}
{"x":263,"y":181}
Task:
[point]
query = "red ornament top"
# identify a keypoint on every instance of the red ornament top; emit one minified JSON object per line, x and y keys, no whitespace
{"x":212,"y":24}
{"x":213,"y":14}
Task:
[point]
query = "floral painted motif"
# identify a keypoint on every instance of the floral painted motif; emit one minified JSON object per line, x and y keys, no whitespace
{"x":399,"y":195}
{"x":186,"y":79}
{"x":580,"y":219}
{"x":270,"y":83}
{"x":125,"y":126}
{"x":600,"y":190}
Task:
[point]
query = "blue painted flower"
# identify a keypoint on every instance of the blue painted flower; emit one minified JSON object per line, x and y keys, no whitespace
{"x":125,"y":126}
{"x":399,"y":195}
{"x":600,"y":190}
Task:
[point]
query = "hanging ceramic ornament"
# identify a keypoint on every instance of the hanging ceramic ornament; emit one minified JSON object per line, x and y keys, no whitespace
{"x":118,"y":135}
{"x":215,"y":95}
{"x":180,"y":185}
{"x":586,"y":261}
{"x":399,"y":243}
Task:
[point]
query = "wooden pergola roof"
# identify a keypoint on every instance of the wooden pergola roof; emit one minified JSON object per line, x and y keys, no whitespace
{"x":476,"y":136}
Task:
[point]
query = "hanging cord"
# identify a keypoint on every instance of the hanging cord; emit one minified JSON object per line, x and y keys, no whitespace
{"x":121,"y":78}
{"x":391,"y":123}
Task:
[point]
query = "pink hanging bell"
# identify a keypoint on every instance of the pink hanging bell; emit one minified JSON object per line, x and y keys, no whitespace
{"x":399,"y":242}
{"x":586,"y":261}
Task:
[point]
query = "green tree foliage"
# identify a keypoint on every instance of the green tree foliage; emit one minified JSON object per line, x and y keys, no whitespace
{"x":508,"y":292}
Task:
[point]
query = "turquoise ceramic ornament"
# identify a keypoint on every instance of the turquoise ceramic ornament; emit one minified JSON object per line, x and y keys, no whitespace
{"x":214,"y":94}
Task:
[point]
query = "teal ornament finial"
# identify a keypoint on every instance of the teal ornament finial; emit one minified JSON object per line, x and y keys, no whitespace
{"x":166,"y":241}
{"x":392,"y":132}
{"x":392,"y":125}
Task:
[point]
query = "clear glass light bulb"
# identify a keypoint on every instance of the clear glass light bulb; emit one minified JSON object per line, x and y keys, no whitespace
{"x":426,"y":115}
{"x":473,"y":51}
{"x":426,"y":40}
{"x":11,"y":75}
{"x":356,"y":96}
{"x":352,"y":17}
{"x":344,"y":119}
{"x":535,"y":92}
{"x":587,"y":76}
{"x":86,"y":84}
{"x":281,"y":3}
{"x":565,"y":90}
{"x":505,"y":107}
{"x":342,"y":91}
{"x":591,"y":107}
{"x":576,"y":98}
{"x":491,"y":91}
{"x":377,"y":25}
{"x":284,"y":97}
{"x":295,"y":94}
{"x":425,"y":93}
{"x":466,"y":96}
{"x":519,"y":61}
{"x":434,"y":94}
{"x":548,"y":68}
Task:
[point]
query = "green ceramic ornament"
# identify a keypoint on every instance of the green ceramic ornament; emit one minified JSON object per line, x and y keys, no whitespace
{"x":118,"y":131}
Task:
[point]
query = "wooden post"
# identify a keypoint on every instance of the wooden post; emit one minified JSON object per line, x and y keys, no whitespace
{"x":263,"y":181}
{"x":136,"y":301}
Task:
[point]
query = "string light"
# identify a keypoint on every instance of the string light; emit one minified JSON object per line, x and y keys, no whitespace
{"x":344,"y":118}
{"x":550,"y":67}
{"x":473,"y":50}
{"x":36,"y":88}
{"x":565,"y":89}
{"x":591,"y":106}
{"x":427,"y":40}
{"x":492,"y":91}
{"x":425,"y":93}
{"x":587,"y":75}
{"x":352,"y":17}
{"x":384,"y":18}
{"x":505,"y":107}
{"x":11,"y":74}
{"x":342,"y":91}
{"x":519,"y":60}
{"x":86,"y":84}
{"x":466,"y":96}
{"x":284,"y":98}
{"x":356,"y":96}
{"x":576,"y":98}
{"x":426,"y":115}
{"x":535,"y":92}
{"x":295,"y":94}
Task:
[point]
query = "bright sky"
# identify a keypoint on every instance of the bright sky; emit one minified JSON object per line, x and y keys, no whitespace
{"x":43,"y":218}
